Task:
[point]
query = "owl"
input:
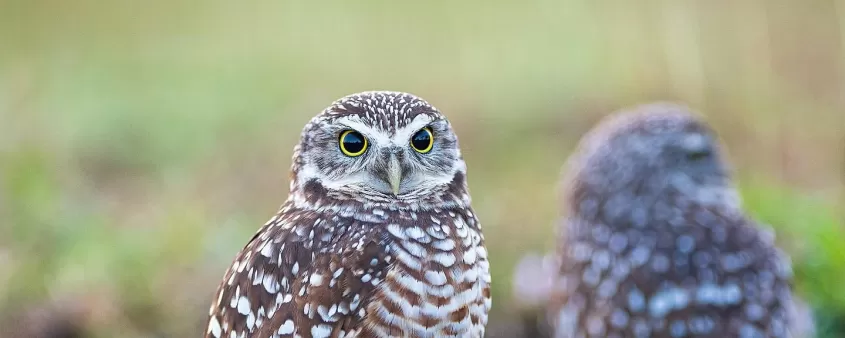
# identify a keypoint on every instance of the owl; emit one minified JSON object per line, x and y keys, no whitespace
{"x":654,"y":242}
{"x":377,"y":237}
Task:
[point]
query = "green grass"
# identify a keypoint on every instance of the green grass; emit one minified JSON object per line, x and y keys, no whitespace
{"x":142,"y":144}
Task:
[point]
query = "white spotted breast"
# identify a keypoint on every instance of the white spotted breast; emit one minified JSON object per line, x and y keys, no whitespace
{"x":306,"y":274}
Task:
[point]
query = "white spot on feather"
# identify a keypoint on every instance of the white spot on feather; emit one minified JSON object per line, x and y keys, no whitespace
{"x":243,"y":305}
{"x":214,"y":327}
{"x":286,"y":328}
{"x":316,"y":279}
{"x":270,"y":284}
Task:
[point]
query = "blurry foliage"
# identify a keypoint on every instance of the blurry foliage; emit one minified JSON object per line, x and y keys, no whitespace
{"x":141,"y":144}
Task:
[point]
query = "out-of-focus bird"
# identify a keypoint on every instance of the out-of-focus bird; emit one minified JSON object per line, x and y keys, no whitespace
{"x":376,"y":239}
{"x":533,"y":278}
{"x":654,"y":242}
{"x":532,"y":281}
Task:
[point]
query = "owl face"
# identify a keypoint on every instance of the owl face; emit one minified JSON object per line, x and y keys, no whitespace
{"x":379,"y":144}
{"x":660,"y":151}
{"x":676,"y":148}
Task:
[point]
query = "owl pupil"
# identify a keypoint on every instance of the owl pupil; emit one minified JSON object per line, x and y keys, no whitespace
{"x":353,"y":142}
{"x":421,"y":140}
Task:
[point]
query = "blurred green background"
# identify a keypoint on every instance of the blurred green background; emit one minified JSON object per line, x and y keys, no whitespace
{"x":143,"y":143}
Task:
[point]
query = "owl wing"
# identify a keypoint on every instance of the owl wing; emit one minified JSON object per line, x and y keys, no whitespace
{"x":300,"y":275}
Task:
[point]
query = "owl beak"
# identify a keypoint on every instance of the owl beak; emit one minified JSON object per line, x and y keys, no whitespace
{"x":394,"y":173}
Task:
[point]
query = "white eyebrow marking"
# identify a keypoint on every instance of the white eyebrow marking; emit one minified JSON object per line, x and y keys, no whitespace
{"x":374,"y":135}
{"x":379,"y":137}
{"x":403,"y":135}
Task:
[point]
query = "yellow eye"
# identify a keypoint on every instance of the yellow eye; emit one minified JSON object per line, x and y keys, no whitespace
{"x":352,"y":143}
{"x":423,"y":140}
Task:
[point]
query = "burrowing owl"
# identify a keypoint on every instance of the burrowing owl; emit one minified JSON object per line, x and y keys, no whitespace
{"x":377,"y":237}
{"x":654,"y":242}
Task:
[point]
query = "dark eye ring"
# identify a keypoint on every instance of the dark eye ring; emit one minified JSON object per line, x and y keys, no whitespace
{"x":352,"y":143}
{"x":423,"y":140}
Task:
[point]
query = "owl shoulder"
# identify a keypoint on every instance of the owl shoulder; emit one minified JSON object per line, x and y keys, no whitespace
{"x":303,"y":273}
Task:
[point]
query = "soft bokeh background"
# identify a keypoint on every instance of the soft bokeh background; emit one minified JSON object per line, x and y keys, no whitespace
{"x":143,"y":143}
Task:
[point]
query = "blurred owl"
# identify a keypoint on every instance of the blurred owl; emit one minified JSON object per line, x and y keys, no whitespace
{"x":654,"y":241}
{"x":376,"y":239}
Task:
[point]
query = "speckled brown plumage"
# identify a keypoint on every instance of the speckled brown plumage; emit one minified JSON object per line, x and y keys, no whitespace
{"x":654,"y":242}
{"x":347,"y":257}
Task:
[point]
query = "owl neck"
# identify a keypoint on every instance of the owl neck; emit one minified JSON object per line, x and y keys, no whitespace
{"x":646,"y":205}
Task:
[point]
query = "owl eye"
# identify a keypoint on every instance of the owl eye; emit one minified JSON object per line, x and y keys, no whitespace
{"x":423,"y":140}
{"x":352,"y":143}
{"x":699,"y":155}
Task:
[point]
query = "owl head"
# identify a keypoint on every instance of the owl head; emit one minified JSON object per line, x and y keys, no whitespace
{"x":379,"y":147}
{"x":652,"y":152}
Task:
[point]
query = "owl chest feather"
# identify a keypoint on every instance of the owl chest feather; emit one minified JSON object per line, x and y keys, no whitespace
{"x":438,"y":283}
